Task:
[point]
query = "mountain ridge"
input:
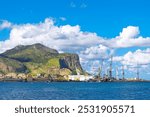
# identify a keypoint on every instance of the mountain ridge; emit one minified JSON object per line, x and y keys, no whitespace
{"x":38,"y":60}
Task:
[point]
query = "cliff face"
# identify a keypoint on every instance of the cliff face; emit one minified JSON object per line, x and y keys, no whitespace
{"x":38,"y":59}
{"x":70,"y":61}
{"x":8,"y":65}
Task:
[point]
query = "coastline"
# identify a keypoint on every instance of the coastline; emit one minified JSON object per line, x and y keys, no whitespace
{"x":58,"y":80}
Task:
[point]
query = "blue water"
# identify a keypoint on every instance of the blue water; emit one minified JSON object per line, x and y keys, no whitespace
{"x":74,"y":91}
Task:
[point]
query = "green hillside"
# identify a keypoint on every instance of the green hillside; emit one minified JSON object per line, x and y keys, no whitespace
{"x":38,"y":59}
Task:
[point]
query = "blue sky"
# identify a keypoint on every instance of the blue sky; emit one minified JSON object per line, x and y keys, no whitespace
{"x":106,"y":18}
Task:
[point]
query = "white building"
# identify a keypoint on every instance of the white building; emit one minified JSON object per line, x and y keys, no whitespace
{"x":79,"y":77}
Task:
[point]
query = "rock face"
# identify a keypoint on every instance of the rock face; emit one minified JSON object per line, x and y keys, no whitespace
{"x":38,"y":60}
{"x":8,"y":65}
{"x":70,"y":61}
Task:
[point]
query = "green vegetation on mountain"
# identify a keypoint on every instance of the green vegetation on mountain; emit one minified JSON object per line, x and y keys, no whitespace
{"x":31,"y":53}
{"x":53,"y":62}
{"x":38,"y":59}
{"x":11,"y":65}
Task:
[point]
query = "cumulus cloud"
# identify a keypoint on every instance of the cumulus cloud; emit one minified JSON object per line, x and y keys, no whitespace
{"x":95,"y":52}
{"x":139,"y":57}
{"x":129,"y":32}
{"x":5,"y":24}
{"x":94,"y":57}
{"x":68,"y":38}
{"x":63,"y":38}
{"x":129,"y":37}
{"x":90,"y":47}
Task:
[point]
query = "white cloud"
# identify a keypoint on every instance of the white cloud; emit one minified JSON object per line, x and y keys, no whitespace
{"x":118,"y":58}
{"x":129,"y":32}
{"x":94,"y":57}
{"x":95,"y":52}
{"x":5,"y":24}
{"x":90,"y":47}
{"x":139,"y":57}
{"x":67,"y":36}
{"x":129,"y":37}
{"x":63,"y":38}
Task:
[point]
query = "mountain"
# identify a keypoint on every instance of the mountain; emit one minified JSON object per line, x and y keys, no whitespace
{"x":37,"y":59}
{"x":31,"y":53}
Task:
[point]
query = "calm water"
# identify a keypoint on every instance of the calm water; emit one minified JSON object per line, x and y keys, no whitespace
{"x":75,"y":91}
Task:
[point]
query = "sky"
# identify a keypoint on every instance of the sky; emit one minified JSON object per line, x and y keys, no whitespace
{"x":94,"y":29}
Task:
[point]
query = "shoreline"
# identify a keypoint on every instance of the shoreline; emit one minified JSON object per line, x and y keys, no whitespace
{"x":46,"y":80}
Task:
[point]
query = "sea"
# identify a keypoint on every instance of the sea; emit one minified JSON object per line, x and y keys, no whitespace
{"x":74,"y":90}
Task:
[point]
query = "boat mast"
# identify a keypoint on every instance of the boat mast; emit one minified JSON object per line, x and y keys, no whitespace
{"x":123,"y":72}
{"x":137,"y":72}
{"x":102,"y":60}
{"x":117,"y":74}
{"x":110,"y":70}
{"x":99,"y":72}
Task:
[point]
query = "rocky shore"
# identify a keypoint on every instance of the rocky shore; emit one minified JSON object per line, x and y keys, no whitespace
{"x":28,"y":78}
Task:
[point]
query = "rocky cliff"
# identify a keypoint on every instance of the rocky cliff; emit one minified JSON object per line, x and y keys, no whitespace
{"x":8,"y":65}
{"x":38,"y":60}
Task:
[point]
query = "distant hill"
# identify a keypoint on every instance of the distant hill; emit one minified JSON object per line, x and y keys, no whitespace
{"x":30,"y":53}
{"x":38,"y":59}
